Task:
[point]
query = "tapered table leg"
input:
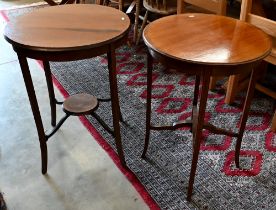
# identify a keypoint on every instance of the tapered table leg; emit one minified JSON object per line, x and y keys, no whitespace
{"x":195,"y":99}
{"x":148,"y":112}
{"x":121,"y":5}
{"x":35,"y":109}
{"x":51,"y":92}
{"x":115,"y":102}
{"x":136,"y":23}
{"x":198,"y":122}
{"x":246,"y":108}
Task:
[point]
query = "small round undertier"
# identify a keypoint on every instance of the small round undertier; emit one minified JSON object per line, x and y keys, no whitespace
{"x":80,"y":104}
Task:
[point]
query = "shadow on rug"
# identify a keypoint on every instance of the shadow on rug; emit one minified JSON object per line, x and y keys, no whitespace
{"x":165,"y":172}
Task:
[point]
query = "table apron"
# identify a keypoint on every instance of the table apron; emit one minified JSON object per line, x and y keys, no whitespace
{"x":67,"y":54}
{"x":197,"y":68}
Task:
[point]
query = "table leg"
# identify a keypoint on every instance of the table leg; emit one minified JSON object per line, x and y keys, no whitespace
{"x":197,"y":128}
{"x":35,"y":109}
{"x":195,"y":99}
{"x":136,"y":23}
{"x":246,"y":107}
{"x":115,"y":101}
{"x":51,"y":92}
{"x":148,"y":111}
{"x":121,"y":5}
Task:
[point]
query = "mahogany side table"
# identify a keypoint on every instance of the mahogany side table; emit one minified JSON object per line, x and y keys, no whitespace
{"x":66,"y":33}
{"x":204,"y":45}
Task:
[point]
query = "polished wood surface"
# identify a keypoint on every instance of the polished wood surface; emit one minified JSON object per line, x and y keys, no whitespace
{"x":68,"y":26}
{"x":208,"y":39}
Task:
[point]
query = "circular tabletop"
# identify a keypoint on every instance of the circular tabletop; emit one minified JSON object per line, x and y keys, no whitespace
{"x":70,"y":26}
{"x":207,"y":39}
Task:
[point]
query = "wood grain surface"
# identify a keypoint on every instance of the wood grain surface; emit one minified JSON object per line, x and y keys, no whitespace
{"x":68,"y":26}
{"x":207,"y":39}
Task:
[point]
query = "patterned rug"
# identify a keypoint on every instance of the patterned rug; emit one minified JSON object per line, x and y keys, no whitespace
{"x":163,"y":176}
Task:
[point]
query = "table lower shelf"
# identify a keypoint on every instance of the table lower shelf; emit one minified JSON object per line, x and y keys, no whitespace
{"x":78,"y":105}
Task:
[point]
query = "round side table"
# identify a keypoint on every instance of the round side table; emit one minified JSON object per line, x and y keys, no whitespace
{"x":204,"y":45}
{"x":66,"y":33}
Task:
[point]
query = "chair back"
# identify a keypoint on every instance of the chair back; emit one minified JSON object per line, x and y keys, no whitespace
{"x":267,"y":25}
{"x":163,"y":7}
{"x":213,"y":6}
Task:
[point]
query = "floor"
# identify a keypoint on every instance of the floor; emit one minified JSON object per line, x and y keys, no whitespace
{"x":80,"y":173}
